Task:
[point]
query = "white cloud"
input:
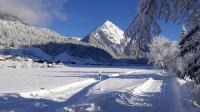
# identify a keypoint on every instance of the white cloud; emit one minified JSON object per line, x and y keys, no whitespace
{"x":37,"y":12}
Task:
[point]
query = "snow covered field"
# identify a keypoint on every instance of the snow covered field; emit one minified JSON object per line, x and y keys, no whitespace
{"x":77,"y":89}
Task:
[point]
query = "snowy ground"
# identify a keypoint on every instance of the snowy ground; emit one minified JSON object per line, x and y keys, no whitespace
{"x":28,"y":79}
{"x":76,"y":88}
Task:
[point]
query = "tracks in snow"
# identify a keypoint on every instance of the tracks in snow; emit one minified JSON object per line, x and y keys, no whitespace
{"x":158,"y":94}
{"x":62,"y":92}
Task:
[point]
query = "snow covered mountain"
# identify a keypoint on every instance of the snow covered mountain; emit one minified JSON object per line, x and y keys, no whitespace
{"x":15,"y":34}
{"x":108,"y":37}
{"x":113,"y":33}
{"x":102,"y":45}
{"x":111,"y":38}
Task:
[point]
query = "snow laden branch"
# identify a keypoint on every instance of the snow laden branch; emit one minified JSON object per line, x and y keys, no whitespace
{"x":190,"y":54}
{"x":150,"y":12}
{"x":163,"y":53}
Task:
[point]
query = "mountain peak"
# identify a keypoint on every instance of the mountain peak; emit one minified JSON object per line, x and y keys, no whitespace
{"x":108,"y":37}
{"x":112,"y":32}
{"x":108,"y":23}
{"x":108,"y":34}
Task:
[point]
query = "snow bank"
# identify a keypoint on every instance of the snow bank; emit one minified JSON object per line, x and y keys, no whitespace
{"x":114,"y":75}
{"x":45,"y":92}
{"x":81,"y":108}
{"x":149,"y":86}
{"x":190,"y":95}
{"x":132,"y":72}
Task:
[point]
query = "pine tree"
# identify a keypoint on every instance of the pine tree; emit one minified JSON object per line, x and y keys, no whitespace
{"x":190,"y":42}
{"x":190,"y":54}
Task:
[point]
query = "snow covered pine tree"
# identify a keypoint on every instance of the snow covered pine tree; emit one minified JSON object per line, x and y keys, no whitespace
{"x":145,"y":24}
{"x":190,"y":54}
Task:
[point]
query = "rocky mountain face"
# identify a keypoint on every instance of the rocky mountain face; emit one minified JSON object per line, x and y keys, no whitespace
{"x":110,"y":38}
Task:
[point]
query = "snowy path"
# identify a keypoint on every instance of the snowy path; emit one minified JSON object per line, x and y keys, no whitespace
{"x":59,"y":93}
{"x":155,"y":93}
{"x":158,"y":94}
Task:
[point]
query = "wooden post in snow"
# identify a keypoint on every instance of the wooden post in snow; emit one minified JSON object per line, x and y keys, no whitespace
{"x":100,"y":78}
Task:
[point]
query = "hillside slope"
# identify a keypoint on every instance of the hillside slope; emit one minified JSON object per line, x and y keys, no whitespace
{"x":16,"y":34}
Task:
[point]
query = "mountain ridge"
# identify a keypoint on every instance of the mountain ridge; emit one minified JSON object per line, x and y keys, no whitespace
{"x":14,"y":34}
{"x":107,"y":41}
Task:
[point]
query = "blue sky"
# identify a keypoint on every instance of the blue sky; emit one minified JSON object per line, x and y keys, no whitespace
{"x":83,"y":16}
